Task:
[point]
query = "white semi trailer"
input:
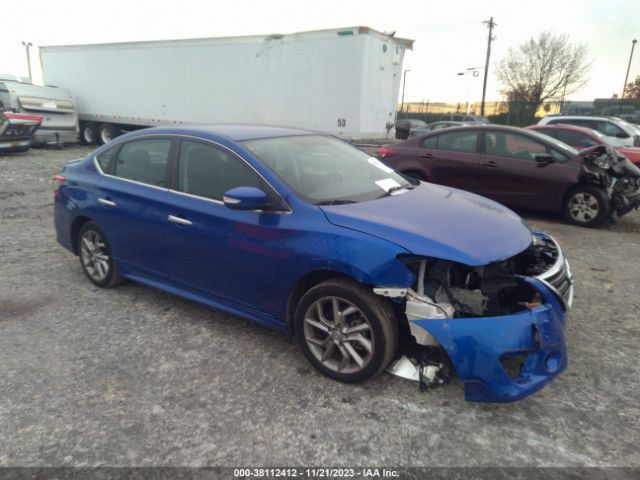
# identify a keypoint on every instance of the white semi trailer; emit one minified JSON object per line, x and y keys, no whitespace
{"x":343,"y":81}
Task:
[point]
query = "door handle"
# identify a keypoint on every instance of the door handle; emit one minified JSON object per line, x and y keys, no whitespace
{"x":427,"y":155}
{"x":491,"y":164}
{"x":108,"y":203}
{"x":179,"y":220}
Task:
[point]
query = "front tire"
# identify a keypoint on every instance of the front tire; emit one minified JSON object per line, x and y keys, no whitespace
{"x":346,"y":331}
{"x":96,"y":258}
{"x":587,"y":206}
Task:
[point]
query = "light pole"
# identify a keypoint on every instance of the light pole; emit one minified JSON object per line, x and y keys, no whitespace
{"x":626,"y":77}
{"x":404,"y":80}
{"x":564,"y":92}
{"x":27,"y":45}
{"x":490,"y":24}
{"x":475,"y":72}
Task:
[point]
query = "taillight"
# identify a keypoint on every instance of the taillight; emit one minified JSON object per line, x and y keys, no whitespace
{"x":58,"y":180}
{"x":385,"y":152}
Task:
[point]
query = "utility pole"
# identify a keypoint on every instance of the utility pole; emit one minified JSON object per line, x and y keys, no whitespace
{"x":490,"y":24}
{"x":404,"y":80}
{"x":27,"y":45}
{"x":626,"y":78}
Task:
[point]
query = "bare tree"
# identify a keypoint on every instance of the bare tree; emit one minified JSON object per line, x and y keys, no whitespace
{"x":543,"y":68}
{"x":633,"y":89}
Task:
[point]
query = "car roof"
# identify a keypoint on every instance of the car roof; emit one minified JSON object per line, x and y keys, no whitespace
{"x":495,"y":127}
{"x":583,"y":117}
{"x":565,"y":126}
{"x":235,"y":132}
{"x":476,"y":126}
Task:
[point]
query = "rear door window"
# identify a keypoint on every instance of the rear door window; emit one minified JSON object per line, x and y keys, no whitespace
{"x":429,"y":142}
{"x":461,"y":141}
{"x":106,"y":158}
{"x":143,"y":161}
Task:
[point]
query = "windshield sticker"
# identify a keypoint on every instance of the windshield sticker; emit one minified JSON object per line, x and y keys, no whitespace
{"x":377,"y":163}
{"x":387,"y":184}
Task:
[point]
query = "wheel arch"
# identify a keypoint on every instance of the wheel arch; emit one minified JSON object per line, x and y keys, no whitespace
{"x":76,"y":225}
{"x":584,"y":182}
{"x":304,"y":284}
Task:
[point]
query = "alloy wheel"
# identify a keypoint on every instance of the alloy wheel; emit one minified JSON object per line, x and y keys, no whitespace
{"x":339,"y":335}
{"x":93,"y":252}
{"x":583,"y":207}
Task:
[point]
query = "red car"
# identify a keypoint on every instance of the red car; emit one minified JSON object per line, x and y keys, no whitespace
{"x":522,"y":168}
{"x":582,"y":137}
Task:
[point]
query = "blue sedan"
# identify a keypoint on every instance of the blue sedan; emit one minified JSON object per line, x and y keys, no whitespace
{"x":304,"y":233}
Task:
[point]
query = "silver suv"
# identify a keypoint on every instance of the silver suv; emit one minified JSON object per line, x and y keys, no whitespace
{"x":619,"y":132}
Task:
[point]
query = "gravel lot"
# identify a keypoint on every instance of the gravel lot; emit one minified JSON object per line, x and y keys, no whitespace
{"x":134,"y":376}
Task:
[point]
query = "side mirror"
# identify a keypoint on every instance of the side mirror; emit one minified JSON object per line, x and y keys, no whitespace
{"x":622,"y":135}
{"x":544,"y":159}
{"x":245,"y":198}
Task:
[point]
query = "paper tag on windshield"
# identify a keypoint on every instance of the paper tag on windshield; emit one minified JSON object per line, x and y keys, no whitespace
{"x":377,"y":163}
{"x":387,"y":184}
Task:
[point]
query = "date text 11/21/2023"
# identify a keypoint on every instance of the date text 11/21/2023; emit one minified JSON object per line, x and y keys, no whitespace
{"x":315,"y":472}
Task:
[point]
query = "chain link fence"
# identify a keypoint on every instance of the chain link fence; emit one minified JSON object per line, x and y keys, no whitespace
{"x":520,"y":113}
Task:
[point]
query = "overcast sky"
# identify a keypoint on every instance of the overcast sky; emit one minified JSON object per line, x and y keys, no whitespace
{"x":449,"y":36}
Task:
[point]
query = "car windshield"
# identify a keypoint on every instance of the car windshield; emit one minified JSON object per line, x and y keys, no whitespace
{"x":326,"y":170}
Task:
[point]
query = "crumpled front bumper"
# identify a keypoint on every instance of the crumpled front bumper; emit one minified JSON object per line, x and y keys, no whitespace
{"x":476,"y":346}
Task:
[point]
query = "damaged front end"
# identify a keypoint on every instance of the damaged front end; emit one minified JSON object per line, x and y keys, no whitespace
{"x":501,"y":325}
{"x":611,"y":170}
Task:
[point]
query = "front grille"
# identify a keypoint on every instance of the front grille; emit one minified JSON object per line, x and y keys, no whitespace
{"x":559,"y":277}
{"x":561,"y":281}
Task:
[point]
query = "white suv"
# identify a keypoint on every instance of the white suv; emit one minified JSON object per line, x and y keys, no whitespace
{"x":619,"y":132}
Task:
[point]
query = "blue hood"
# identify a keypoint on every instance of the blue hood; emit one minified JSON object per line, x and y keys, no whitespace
{"x":439,"y":222}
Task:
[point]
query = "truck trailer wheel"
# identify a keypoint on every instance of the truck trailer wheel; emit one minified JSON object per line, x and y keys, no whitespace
{"x":107,"y":132}
{"x":87,"y":133}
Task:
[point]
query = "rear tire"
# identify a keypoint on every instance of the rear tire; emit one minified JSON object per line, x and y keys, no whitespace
{"x":95,"y":256}
{"x":107,"y":132}
{"x":587,"y":206}
{"x":88,"y":133}
{"x":345,"y":330}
